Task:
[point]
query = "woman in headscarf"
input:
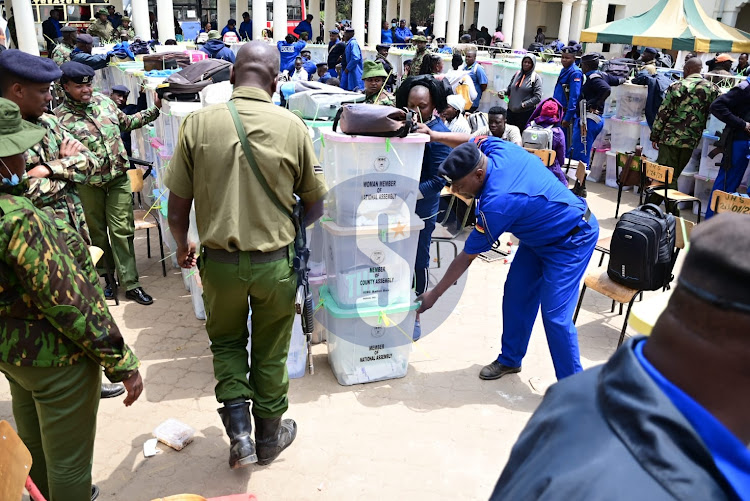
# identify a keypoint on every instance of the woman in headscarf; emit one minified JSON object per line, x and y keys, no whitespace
{"x":524,"y":93}
{"x":549,"y":114}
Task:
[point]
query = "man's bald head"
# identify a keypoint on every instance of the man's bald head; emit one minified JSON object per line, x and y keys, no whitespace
{"x":693,"y":65}
{"x":257,"y":65}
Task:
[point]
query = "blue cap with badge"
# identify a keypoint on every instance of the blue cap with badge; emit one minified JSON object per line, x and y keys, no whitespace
{"x":28,"y":67}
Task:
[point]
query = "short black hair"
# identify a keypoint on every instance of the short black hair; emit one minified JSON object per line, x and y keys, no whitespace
{"x":498,"y":110}
{"x":245,"y":14}
{"x":310,"y":16}
{"x":457,"y":61}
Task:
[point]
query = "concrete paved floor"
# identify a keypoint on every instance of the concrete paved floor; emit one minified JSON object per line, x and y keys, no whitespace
{"x":438,"y":433}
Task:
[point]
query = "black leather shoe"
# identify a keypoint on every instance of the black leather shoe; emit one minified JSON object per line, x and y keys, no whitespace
{"x":112,"y":390}
{"x":496,"y":370}
{"x":273,"y":435}
{"x":94,"y":492}
{"x":139,"y":296}
{"x":236,"y":418}
{"x":108,"y":292}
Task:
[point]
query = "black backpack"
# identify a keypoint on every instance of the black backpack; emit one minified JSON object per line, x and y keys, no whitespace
{"x":186,"y":84}
{"x":642,"y":250}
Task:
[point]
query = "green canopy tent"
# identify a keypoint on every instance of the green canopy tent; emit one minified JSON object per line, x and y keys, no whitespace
{"x":671,"y":24}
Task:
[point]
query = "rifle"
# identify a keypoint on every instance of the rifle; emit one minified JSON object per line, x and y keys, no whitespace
{"x":582,"y":122}
{"x":303,"y":300}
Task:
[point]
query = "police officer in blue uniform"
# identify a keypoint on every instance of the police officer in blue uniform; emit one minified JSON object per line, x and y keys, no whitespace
{"x":516,"y":193}
{"x":595,"y":90}
{"x":568,"y":86}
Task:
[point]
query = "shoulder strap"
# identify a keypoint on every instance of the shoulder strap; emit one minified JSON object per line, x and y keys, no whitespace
{"x":251,"y":160}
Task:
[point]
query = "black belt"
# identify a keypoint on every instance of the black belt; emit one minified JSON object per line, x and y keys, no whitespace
{"x":226,"y":257}
{"x":586,"y":217}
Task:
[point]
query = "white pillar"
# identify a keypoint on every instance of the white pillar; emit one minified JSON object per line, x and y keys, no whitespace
{"x":374,"y":22}
{"x":468,"y":14}
{"x":279,"y":20}
{"x":165,"y":19}
{"x":405,"y":12}
{"x":140,"y":19}
{"x":563,"y":33}
{"x":314,"y":10}
{"x":358,"y":21}
{"x":730,"y":17}
{"x":509,"y":16}
{"x":241,"y":6}
{"x":454,"y":18}
{"x":330,"y":6}
{"x":575,"y":20}
{"x":25,"y":29}
{"x":222,"y":14}
{"x":391,"y":10}
{"x":441,"y":17}
{"x":259,"y":19}
{"x":519,"y":24}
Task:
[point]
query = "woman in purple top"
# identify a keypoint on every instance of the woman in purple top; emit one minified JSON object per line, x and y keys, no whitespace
{"x":549,"y":113}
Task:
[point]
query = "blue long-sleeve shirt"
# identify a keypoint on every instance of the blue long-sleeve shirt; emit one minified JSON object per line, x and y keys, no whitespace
{"x":573,"y":78}
{"x":97,"y":62}
{"x":227,"y":29}
{"x":353,"y":55}
{"x":288,"y":53}
{"x":304,"y":26}
{"x":246,"y":30}
{"x":386,"y":36}
{"x":430,"y":182}
{"x":402,"y":34}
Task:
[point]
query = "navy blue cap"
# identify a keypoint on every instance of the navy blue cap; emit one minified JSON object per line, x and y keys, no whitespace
{"x":650,"y":50}
{"x":77,"y":72}
{"x":590,"y":57}
{"x":32,"y":68}
{"x":121,"y":89}
{"x":334,"y":31}
{"x":321,"y":64}
{"x":85,"y":38}
{"x":460,"y":162}
{"x":568,"y":50}
{"x":68,"y":29}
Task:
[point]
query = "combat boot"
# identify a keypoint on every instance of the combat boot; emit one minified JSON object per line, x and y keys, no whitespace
{"x":273,"y":435}
{"x":236,"y":418}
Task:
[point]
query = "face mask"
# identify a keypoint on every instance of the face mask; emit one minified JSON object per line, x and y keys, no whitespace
{"x":13,"y":181}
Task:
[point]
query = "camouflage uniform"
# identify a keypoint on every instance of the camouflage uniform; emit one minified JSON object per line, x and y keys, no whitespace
{"x":416,"y":62}
{"x":679,"y":124}
{"x":386,"y":99}
{"x":59,"y":191}
{"x":106,"y":195}
{"x":129,"y":31}
{"x":102,"y":30}
{"x":55,"y":333}
{"x":61,"y":53}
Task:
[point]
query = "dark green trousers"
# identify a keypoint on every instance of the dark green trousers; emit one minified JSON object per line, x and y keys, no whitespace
{"x":111,"y":207}
{"x":271,"y":288}
{"x":677,"y":158}
{"x":55,"y":412}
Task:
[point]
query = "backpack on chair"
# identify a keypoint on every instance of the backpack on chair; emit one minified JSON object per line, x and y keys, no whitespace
{"x":642,"y":250}
{"x":538,"y":137}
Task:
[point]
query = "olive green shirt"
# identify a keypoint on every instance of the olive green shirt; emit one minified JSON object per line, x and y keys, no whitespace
{"x":232,"y":210}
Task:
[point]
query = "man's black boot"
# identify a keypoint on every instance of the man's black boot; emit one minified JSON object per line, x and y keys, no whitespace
{"x":236,"y":418}
{"x":273,"y":435}
{"x":108,"y":292}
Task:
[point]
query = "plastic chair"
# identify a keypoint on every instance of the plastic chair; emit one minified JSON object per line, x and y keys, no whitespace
{"x":662,"y":175}
{"x":722,"y":201}
{"x":140,"y":214}
{"x":447,"y":236}
{"x":599,"y":281}
{"x":15,"y":464}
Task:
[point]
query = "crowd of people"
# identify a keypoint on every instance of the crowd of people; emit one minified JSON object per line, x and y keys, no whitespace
{"x":64,"y":188}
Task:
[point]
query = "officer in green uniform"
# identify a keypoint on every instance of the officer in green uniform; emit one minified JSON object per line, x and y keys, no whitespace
{"x":55,"y":329}
{"x":101,"y":28}
{"x":97,"y":122}
{"x":247,"y":244}
{"x":374,"y":78}
{"x":416,"y":63}
{"x":125,"y":31}
{"x":61,"y":52}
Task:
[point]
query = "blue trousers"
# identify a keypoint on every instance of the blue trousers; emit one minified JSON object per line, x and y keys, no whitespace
{"x":427,"y":210}
{"x":549,"y":276}
{"x":730,"y":180}
{"x":593,"y":130}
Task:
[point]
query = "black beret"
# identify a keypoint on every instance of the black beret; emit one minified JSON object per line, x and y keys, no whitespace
{"x":121,"y":89}
{"x":77,"y":72}
{"x":590,"y":57}
{"x":716,"y":269}
{"x":460,"y":162}
{"x":31,"y":68}
{"x":85,"y":38}
{"x":68,"y":29}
